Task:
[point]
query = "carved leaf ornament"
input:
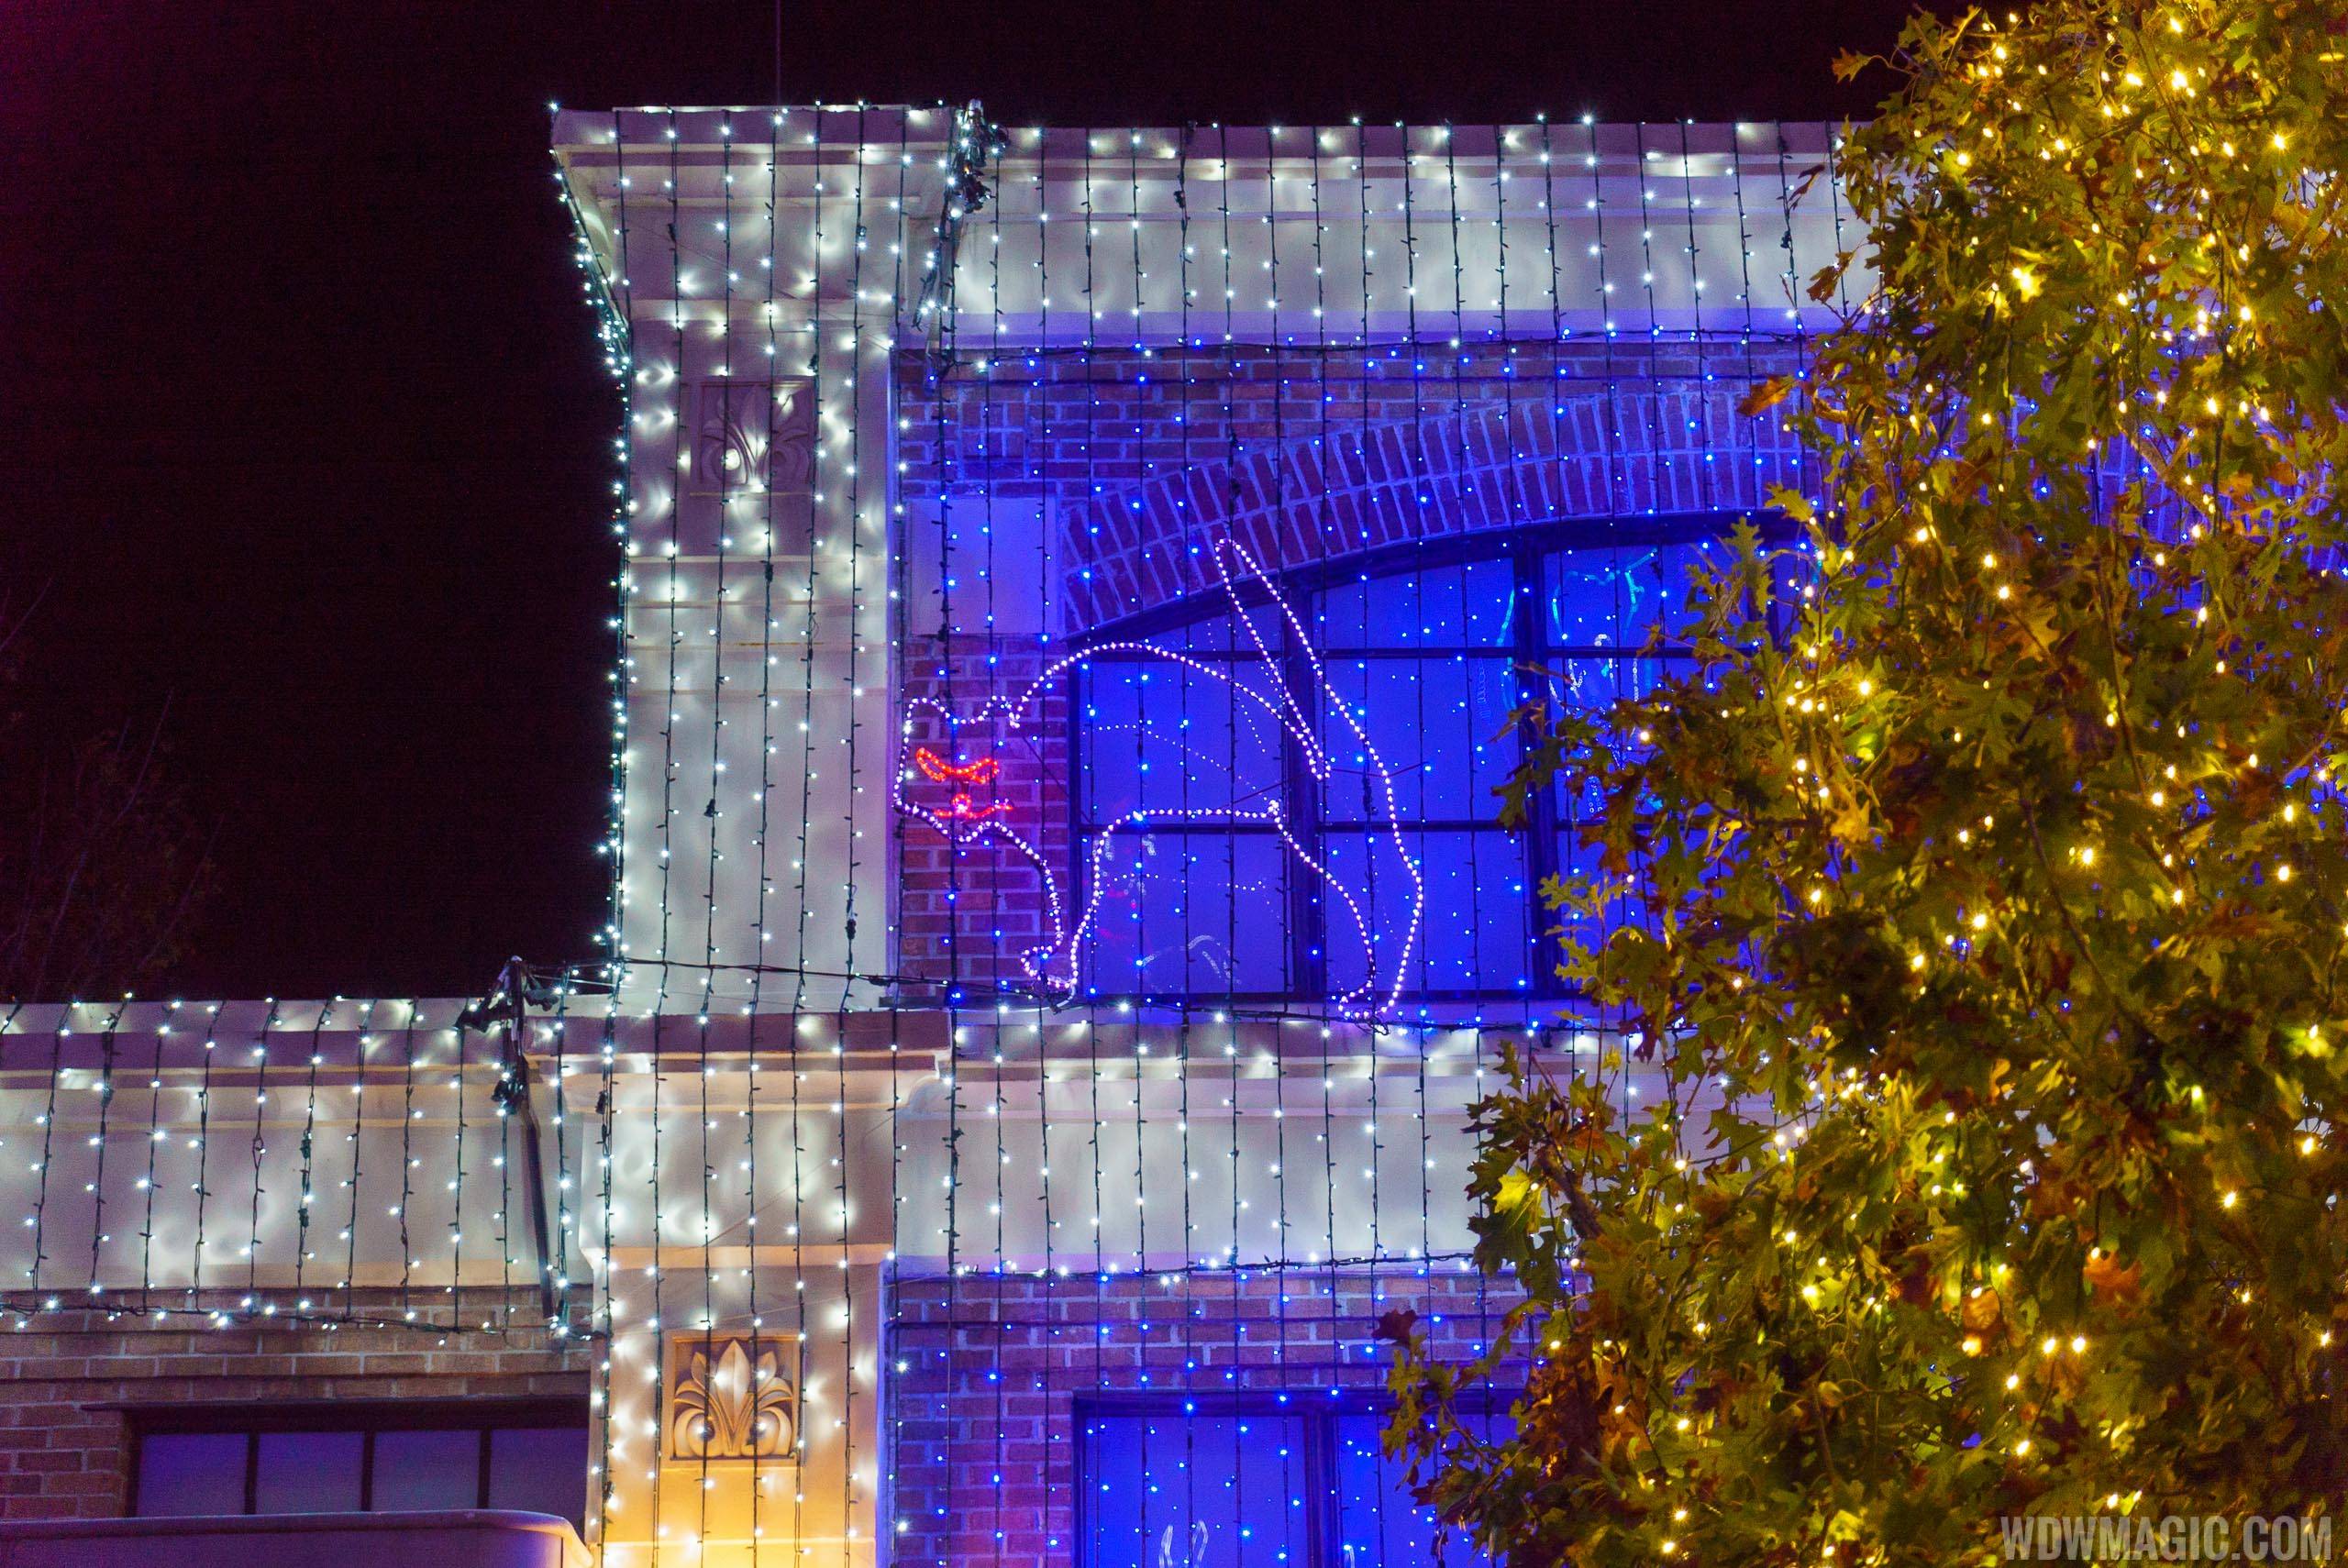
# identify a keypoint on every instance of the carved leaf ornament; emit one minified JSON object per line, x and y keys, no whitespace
{"x":733,"y":1409}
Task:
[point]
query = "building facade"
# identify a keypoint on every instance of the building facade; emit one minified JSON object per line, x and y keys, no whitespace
{"x":1077,"y":593}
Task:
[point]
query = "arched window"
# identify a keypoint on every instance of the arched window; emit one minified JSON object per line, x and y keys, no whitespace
{"x":1223,"y":854}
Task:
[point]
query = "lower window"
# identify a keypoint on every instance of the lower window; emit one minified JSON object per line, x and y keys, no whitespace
{"x":411,"y":1457}
{"x":1299,"y":1481}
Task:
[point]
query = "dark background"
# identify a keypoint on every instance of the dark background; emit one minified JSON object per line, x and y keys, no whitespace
{"x":302,"y":428}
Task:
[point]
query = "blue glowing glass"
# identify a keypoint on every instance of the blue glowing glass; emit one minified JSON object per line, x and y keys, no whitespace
{"x":1174,"y":1491}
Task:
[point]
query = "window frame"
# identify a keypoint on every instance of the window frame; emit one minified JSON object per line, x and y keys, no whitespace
{"x":1536,"y":849}
{"x":1319,"y":1410}
{"x":482,"y":1417}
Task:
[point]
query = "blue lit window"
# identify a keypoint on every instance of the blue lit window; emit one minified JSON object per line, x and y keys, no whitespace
{"x":1257,"y":1482}
{"x":1426,"y":651}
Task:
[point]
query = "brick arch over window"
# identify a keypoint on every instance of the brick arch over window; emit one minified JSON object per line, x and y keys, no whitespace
{"x":1618,"y":435}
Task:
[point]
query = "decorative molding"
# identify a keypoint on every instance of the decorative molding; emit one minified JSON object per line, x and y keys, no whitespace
{"x":751,"y":437}
{"x":727,"y":1398}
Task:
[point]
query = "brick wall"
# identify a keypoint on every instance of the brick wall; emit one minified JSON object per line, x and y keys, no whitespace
{"x":60,"y":1458}
{"x":984,"y":1375}
{"x":966,"y":911}
{"x":1138,"y":462}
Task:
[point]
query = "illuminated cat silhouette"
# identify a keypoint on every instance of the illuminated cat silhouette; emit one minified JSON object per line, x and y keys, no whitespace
{"x":969,"y":815}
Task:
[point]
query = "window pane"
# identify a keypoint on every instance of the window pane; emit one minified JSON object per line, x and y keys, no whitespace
{"x":190,"y":1473}
{"x":1595,"y":683}
{"x":1161,"y":737}
{"x":308,"y":1473}
{"x":426,"y":1470}
{"x":1379,"y":1520}
{"x":1444,"y":607}
{"x":1375,"y":878}
{"x":1196,"y":1492}
{"x":1195,"y":912}
{"x":1439,"y":727}
{"x":540,"y":1470}
{"x":1614,"y":597}
{"x":1472,"y":931}
{"x":1476,"y":914}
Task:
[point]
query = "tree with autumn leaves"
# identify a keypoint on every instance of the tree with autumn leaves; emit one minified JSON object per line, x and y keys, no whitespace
{"x":1972,"y":921}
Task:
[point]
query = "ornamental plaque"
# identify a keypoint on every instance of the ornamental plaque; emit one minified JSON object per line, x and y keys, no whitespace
{"x":728,"y":1397}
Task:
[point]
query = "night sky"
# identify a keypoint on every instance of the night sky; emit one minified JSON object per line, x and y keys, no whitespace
{"x":305,"y":438}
